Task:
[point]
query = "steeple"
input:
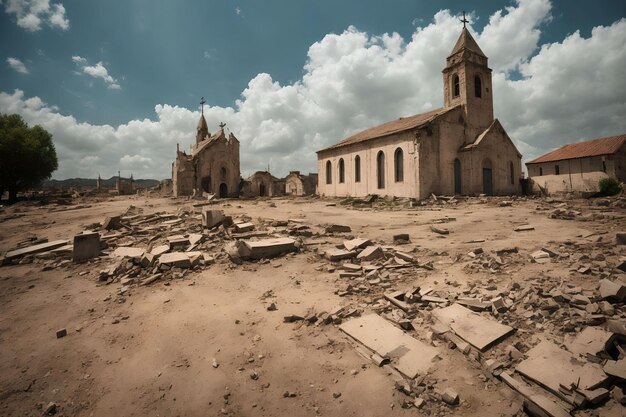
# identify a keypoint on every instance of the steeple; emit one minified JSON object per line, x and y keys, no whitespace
{"x":467,"y":42}
{"x":202,"y":131}
{"x":467,"y":81}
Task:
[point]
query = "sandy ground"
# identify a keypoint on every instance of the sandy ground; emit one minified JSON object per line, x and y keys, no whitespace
{"x":158,"y":359}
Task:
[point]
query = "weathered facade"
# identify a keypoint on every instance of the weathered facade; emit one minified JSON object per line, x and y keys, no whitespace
{"x":123,"y":186}
{"x":263,"y":184}
{"x":299,"y":185}
{"x":578,"y":167}
{"x":212,"y":167}
{"x":457,"y":149}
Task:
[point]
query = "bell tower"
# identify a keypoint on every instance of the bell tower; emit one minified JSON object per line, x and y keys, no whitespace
{"x":202,"y":131}
{"x":467,"y":81}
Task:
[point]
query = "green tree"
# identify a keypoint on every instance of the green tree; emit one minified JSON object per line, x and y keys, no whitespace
{"x":27,"y":155}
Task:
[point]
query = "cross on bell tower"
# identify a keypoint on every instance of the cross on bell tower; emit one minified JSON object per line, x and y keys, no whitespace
{"x":464,"y":20}
{"x":202,"y":103}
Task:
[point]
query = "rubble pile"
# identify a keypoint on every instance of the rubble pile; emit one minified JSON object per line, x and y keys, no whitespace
{"x":134,"y":249}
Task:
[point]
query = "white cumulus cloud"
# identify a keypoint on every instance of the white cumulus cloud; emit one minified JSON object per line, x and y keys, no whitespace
{"x":17,"y":65}
{"x":33,"y":14}
{"x":96,"y":71}
{"x":355,"y":80}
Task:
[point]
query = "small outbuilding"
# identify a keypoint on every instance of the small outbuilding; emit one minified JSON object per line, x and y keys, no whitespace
{"x":578,"y":167}
{"x":263,"y":184}
{"x":299,"y":185}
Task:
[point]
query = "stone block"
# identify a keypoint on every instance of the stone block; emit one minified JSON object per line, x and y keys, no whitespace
{"x":267,"y":248}
{"x":177,"y":241}
{"x":244,"y":227}
{"x":450,"y":396}
{"x":211,"y":217}
{"x":86,"y":246}
{"x":177,"y":259}
{"x":147,"y":260}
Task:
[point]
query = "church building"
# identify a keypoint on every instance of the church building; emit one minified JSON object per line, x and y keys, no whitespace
{"x":457,"y":149}
{"x":212,"y":167}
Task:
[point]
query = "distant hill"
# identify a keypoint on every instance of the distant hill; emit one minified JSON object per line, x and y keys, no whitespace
{"x":91,"y":183}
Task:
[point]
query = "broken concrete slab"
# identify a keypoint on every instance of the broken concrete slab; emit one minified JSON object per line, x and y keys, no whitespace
{"x":42,"y":247}
{"x":177,"y":259}
{"x":159,"y":250}
{"x":267,"y":248}
{"x":481,"y":332}
{"x":357,"y":243}
{"x":550,"y":366}
{"x":86,"y":246}
{"x":532,"y":399}
{"x":615,"y":290}
{"x":128,"y":252}
{"x":616,"y":368}
{"x":112,"y":223}
{"x":211,"y":217}
{"x":370,"y":253}
{"x":409,"y":356}
{"x":474,"y":303}
{"x":592,"y":341}
{"x":335,"y":254}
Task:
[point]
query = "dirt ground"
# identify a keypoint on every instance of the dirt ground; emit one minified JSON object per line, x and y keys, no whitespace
{"x":154,"y":353}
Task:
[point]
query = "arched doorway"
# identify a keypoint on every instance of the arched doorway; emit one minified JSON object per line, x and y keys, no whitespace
{"x":487,"y":177}
{"x":205,"y":183}
{"x":262,"y":190}
{"x":223,"y":190}
{"x":457,"y":177}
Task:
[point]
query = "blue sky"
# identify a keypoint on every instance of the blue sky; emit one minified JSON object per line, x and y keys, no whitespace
{"x":118,"y":81}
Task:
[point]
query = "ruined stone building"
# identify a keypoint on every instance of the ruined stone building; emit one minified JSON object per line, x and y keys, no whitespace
{"x":299,"y":185}
{"x":263,"y":184}
{"x":212,"y":167}
{"x":123,"y":186}
{"x":457,"y":149}
{"x":579,"y":166}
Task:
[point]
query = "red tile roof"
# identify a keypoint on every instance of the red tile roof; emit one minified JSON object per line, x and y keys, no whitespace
{"x":394,"y":126}
{"x":596,"y":147}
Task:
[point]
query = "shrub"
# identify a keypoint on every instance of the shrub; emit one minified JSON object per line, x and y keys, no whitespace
{"x":608,"y":186}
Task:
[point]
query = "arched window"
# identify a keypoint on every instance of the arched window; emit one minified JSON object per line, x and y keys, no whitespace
{"x":512,"y":173}
{"x":329,"y":173}
{"x":456,"y":88}
{"x":342,"y":171}
{"x":380,"y":169}
{"x":398,"y":165}
{"x":478,"y":86}
{"x":357,"y":168}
